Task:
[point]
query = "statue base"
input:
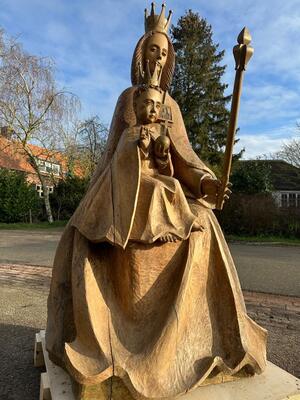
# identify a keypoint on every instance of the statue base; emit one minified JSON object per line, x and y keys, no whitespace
{"x":113,"y":388}
{"x":56,"y":384}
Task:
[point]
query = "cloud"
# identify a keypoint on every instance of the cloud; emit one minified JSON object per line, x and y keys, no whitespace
{"x":92,"y":43}
{"x":265,"y":142}
{"x":269,"y":104}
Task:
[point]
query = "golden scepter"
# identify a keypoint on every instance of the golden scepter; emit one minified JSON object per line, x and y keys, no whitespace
{"x":242,"y":53}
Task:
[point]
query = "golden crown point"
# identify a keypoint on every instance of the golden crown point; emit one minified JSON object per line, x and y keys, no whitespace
{"x":155,"y":22}
{"x":148,"y":79}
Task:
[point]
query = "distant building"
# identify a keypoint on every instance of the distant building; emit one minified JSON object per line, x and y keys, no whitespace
{"x":286,"y":183}
{"x":52,"y":165}
{"x":285,"y":179}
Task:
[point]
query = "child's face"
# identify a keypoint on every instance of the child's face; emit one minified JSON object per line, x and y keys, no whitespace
{"x":148,"y":106}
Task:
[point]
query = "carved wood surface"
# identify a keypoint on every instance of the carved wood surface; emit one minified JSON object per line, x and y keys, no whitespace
{"x":164,"y":317}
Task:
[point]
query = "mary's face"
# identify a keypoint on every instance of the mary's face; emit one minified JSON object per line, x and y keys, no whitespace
{"x":156,"y":50}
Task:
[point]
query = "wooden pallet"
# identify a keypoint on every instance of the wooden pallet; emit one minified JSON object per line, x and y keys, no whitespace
{"x":55,"y":382}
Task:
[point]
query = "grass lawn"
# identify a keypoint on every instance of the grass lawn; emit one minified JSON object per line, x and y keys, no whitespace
{"x":38,"y":225}
{"x":230,"y":238}
{"x":263,"y":239}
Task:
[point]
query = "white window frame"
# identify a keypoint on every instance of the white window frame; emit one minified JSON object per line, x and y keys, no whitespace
{"x":289,"y":198}
{"x":48,"y":167}
{"x":54,"y":167}
{"x":39,"y":189}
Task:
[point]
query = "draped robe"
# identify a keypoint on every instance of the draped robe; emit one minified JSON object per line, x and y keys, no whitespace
{"x":163,"y":317}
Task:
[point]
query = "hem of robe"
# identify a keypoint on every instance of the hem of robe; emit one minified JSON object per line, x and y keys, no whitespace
{"x":216,"y":363}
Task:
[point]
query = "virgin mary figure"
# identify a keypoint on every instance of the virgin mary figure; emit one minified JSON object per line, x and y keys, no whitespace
{"x":165,"y":317}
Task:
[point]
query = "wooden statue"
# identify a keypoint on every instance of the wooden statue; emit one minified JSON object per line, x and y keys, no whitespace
{"x":144,"y":288}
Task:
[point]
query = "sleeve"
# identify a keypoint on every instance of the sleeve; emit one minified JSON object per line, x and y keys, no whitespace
{"x":188,"y":168}
{"x":123,"y":118}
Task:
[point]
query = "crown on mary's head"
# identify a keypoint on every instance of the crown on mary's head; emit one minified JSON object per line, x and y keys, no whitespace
{"x":148,"y":79}
{"x":155,"y":22}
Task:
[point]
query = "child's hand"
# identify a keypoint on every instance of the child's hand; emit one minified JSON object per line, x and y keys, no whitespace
{"x":145,"y":138}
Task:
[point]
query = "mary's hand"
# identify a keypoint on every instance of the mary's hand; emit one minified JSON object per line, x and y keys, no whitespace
{"x":211,"y":188}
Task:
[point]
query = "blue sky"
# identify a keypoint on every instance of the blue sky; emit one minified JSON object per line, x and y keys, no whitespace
{"x":92,"y":43}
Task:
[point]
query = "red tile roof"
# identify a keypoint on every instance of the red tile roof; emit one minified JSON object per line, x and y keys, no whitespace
{"x":13,"y":157}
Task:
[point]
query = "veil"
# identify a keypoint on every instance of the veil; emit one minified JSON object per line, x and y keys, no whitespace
{"x":124,"y":115}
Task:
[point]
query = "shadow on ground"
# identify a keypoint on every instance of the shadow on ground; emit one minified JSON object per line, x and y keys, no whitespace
{"x":19,"y":379}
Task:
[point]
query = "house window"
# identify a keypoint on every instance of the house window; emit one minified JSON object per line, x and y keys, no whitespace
{"x":41,"y":165}
{"x":292,"y":200}
{"x":39,"y":189}
{"x":284,"y":200}
{"x":55,"y":169}
{"x":48,"y":167}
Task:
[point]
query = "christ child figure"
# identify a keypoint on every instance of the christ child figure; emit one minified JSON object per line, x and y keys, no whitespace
{"x":162,"y":211}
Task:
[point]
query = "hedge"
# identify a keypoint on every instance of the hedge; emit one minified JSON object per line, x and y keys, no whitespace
{"x":18,"y":199}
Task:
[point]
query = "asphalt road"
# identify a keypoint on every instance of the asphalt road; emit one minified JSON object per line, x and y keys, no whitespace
{"x":261,"y":268}
{"x":28,"y":247}
{"x":267,"y":268}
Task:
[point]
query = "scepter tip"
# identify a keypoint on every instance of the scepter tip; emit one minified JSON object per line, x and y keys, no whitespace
{"x":244,"y":36}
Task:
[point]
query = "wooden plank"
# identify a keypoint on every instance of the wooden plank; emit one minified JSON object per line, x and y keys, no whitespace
{"x":38,"y":356}
{"x":45,"y":393}
{"x":59,"y":381}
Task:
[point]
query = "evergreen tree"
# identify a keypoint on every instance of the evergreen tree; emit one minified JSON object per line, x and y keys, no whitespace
{"x":67,"y":196}
{"x":251,"y":177}
{"x":197,"y":86}
{"x":17,"y":197}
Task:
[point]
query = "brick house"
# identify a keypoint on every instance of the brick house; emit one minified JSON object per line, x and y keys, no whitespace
{"x":53,"y":165}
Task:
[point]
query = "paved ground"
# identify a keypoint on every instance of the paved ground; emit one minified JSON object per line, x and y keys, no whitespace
{"x":264,"y":268}
{"x":28,"y":247}
{"x":22,"y":314}
{"x":267,"y":268}
{"x":23,"y":295}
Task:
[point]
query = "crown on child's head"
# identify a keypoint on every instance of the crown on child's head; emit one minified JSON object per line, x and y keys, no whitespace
{"x":144,"y":88}
{"x":155,"y":22}
{"x":148,"y":79}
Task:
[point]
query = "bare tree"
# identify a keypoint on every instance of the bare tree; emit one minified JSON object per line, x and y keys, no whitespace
{"x":31,"y":105}
{"x":290,"y":152}
{"x":92,"y":137}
